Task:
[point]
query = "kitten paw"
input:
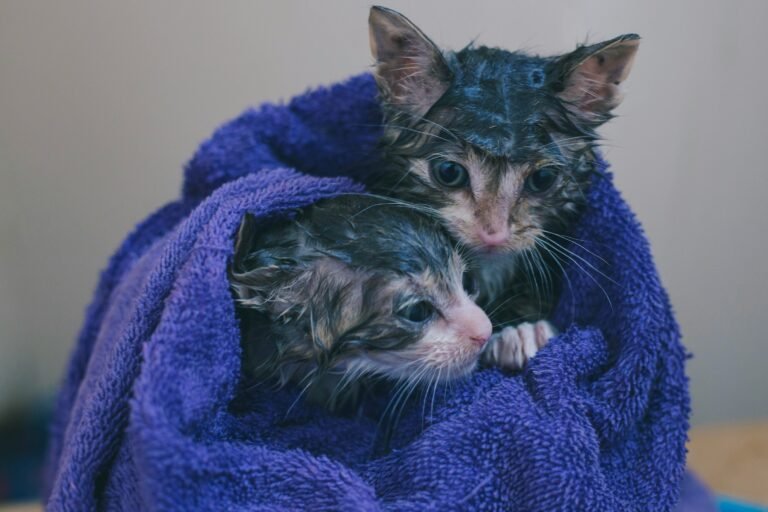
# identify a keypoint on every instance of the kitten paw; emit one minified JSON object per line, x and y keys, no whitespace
{"x":512,"y":347}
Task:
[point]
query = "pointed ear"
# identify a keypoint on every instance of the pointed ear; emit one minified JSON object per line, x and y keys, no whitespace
{"x":244,"y":238}
{"x":588,"y":79}
{"x":257,"y":270}
{"x":410,"y":70}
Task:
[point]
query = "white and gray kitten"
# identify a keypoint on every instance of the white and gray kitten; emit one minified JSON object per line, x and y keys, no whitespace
{"x":354,"y":289}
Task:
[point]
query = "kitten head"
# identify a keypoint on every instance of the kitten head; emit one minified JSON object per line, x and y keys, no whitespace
{"x":362,"y":285}
{"x":500,"y":143}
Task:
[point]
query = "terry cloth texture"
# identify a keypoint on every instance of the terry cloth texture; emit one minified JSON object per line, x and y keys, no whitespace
{"x":152,"y":414}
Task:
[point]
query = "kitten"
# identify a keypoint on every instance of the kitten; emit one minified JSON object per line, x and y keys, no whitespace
{"x":352,"y":289}
{"x":502,"y":146}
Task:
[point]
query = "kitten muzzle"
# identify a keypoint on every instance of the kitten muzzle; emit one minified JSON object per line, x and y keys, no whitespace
{"x":470,"y":322}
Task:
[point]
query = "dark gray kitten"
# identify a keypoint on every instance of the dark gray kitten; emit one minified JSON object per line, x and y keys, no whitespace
{"x":501,"y":146}
{"x":352,"y":289}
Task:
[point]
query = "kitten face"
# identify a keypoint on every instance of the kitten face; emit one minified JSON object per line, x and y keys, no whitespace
{"x":395,"y":326}
{"x":357,"y":285}
{"x":504,"y":204}
{"x":499,"y":143}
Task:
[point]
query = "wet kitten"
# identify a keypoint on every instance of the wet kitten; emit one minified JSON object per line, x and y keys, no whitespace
{"x":501,"y":145}
{"x":352,"y":289}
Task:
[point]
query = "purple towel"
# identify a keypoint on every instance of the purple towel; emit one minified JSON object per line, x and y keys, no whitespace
{"x":152,"y":414}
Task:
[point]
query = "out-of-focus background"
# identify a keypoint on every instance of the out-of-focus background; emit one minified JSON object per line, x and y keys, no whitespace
{"x":102,"y":103}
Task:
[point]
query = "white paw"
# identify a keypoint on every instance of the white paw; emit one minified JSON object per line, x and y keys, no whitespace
{"x":512,"y":347}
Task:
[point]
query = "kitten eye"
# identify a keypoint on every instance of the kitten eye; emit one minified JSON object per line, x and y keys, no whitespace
{"x":450,"y":174}
{"x":417,"y":312}
{"x":469,"y":283}
{"x":541,"y":180}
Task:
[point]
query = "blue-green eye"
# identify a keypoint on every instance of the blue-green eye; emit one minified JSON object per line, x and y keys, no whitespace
{"x":541,"y":180}
{"x":417,"y":312}
{"x":449,"y":174}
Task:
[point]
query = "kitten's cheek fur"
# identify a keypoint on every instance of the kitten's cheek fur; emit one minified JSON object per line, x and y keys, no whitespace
{"x":514,"y":346}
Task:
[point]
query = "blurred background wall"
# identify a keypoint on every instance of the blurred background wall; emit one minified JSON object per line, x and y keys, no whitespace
{"x":101,"y":103}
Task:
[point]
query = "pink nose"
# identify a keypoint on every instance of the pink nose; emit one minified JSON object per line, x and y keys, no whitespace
{"x":471,"y":322}
{"x":493,"y":239}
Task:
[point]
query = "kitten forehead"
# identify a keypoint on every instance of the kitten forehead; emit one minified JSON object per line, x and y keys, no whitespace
{"x":379,"y":233}
{"x":494,"y":98}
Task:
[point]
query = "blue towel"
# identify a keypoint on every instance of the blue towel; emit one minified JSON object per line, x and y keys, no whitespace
{"x":152,"y":414}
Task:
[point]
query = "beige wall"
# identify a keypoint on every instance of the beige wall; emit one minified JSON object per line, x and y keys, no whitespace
{"x":102,"y":102}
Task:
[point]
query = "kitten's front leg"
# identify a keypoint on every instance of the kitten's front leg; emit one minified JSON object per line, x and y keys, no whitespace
{"x":512,"y":347}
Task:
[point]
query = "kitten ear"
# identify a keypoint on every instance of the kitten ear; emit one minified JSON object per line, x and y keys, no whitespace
{"x":410,"y":70}
{"x":257,"y":270}
{"x":244,"y":238}
{"x":588,"y":79}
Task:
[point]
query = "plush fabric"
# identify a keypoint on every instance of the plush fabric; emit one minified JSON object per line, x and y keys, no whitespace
{"x":152,"y":414}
